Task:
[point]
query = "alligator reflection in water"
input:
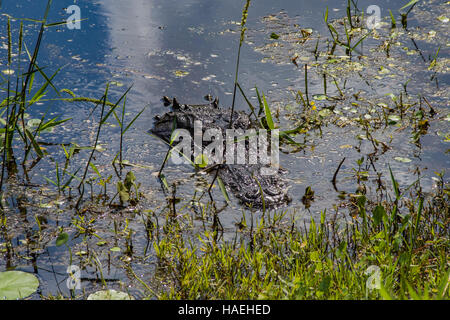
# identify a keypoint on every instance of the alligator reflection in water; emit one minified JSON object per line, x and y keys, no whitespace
{"x":245,"y":181}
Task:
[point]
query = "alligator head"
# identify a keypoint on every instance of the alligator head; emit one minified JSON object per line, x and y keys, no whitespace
{"x":183,"y":116}
{"x":244,"y":180}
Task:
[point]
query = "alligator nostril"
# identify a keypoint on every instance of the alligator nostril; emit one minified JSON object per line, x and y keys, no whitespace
{"x":166,"y":100}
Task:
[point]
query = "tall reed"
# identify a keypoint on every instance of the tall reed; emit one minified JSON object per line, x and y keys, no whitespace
{"x":241,"y":41}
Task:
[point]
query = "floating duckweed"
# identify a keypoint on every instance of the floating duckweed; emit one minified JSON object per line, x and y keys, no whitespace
{"x":443,"y":19}
{"x":180,"y":73}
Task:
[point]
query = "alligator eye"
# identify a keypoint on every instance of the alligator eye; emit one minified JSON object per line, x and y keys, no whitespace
{"x":175,"y":104}
{"x":157,"y":117}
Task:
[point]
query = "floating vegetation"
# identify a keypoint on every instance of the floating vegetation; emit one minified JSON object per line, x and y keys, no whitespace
{"x":181,"y":73}
{"x":109,"y":295}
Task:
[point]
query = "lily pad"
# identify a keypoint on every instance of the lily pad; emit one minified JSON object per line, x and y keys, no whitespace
{"x":62,"y":239}
{"x":117,"y":83}
{"x":394,"y":118}
{"x":33,"y":122}
{"x":17,"y":285}
{"x":320,"y":97}
{"x":324,"y":113}
{"x":274,"y":36}
{"x":402,"y":159}
{"x":110,"y":295}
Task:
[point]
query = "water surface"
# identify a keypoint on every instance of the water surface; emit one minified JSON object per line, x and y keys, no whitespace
{"x":187,"y":49}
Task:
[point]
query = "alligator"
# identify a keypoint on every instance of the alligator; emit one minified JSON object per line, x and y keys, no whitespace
{"x":244,"y":180}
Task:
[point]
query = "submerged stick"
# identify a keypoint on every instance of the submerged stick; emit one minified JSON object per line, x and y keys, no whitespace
{"x":336,"y":173}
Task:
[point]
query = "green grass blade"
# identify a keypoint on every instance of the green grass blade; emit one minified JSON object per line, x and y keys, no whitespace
{"x":41,"y":92}
{"x":164,"y":181}
{"x":170,"y":146}
{"x":416,"y":225}
{"x":30,"y":85}
{"x":115,"y":106}
{"x":134,"y":119}
{"x":330,"y":26}
{"x":393,"y":22}
{"x":52,"y":123}
{"x":384,"y":294}
{"x":261,"y":106}
{"x":34,"y":144}
{"x":394,"y":184}
{"x":246,"y":100}
{"x":73,"y":176}
{"x":412,"y":292}
{"x":443,"y":286}
{"x":95,"y":169}
{"x":65,"y":151}
{"x":412,"y":2}
{"x":53,"y":24}
{"x":49,"y":80}
{"x":269,"y":119}
{"x":360,"y":40}
{"x":223,"y":189}
{"x":50,"y":180}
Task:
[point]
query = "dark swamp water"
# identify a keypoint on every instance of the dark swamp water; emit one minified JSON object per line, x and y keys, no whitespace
{"x":188,"y":49}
